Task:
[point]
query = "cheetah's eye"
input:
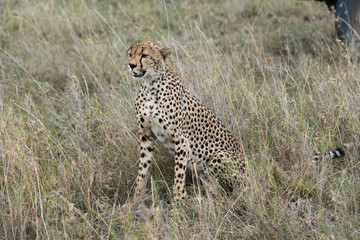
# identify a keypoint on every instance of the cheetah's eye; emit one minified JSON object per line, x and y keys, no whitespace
{"x":129,"y":54}
{"x":144,"y":55}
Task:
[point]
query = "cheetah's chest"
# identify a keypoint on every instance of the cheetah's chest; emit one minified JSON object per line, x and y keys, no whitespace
{"x":152,"y":114}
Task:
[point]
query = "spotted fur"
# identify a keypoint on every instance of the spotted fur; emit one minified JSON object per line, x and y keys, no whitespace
{"x":332,"y":154}
{"x":166,"y":111}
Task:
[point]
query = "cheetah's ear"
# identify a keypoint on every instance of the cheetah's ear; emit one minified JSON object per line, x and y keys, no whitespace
{"x":165,"y":52}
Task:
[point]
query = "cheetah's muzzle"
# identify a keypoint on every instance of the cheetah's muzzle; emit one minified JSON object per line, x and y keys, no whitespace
{"x":139,"y":75}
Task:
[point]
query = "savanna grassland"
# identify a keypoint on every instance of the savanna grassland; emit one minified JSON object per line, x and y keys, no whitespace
{"x":272,"y":71}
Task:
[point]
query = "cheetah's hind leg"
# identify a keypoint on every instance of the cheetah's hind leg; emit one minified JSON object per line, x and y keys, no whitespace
{"x":227,"y":170}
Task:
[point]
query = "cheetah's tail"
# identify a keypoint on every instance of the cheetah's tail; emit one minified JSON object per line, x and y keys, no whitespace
{"x":332,"y":154}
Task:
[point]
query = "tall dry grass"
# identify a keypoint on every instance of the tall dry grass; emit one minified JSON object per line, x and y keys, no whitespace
{"x":271,"y":70}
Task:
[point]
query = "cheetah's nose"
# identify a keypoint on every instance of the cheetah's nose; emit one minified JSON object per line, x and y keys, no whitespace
{"x":132,"y":66}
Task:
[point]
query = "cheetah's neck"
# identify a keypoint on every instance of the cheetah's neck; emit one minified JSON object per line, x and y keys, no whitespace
{"x":165,"y":76}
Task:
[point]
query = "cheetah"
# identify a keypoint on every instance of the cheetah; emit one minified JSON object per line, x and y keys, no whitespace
{"x":166,"y":111}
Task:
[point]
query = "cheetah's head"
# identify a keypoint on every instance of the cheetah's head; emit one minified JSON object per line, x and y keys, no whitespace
{"x":146,"y":60}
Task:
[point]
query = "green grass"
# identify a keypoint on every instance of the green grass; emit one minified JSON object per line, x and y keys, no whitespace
{"x":273,"y":72}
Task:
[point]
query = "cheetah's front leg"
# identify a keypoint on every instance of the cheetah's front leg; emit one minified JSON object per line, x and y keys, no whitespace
{"x":146,"y":154}
{"x":181,"y":155}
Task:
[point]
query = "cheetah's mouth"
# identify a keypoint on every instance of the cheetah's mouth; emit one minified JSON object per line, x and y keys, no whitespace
{"x":139,"y":75}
